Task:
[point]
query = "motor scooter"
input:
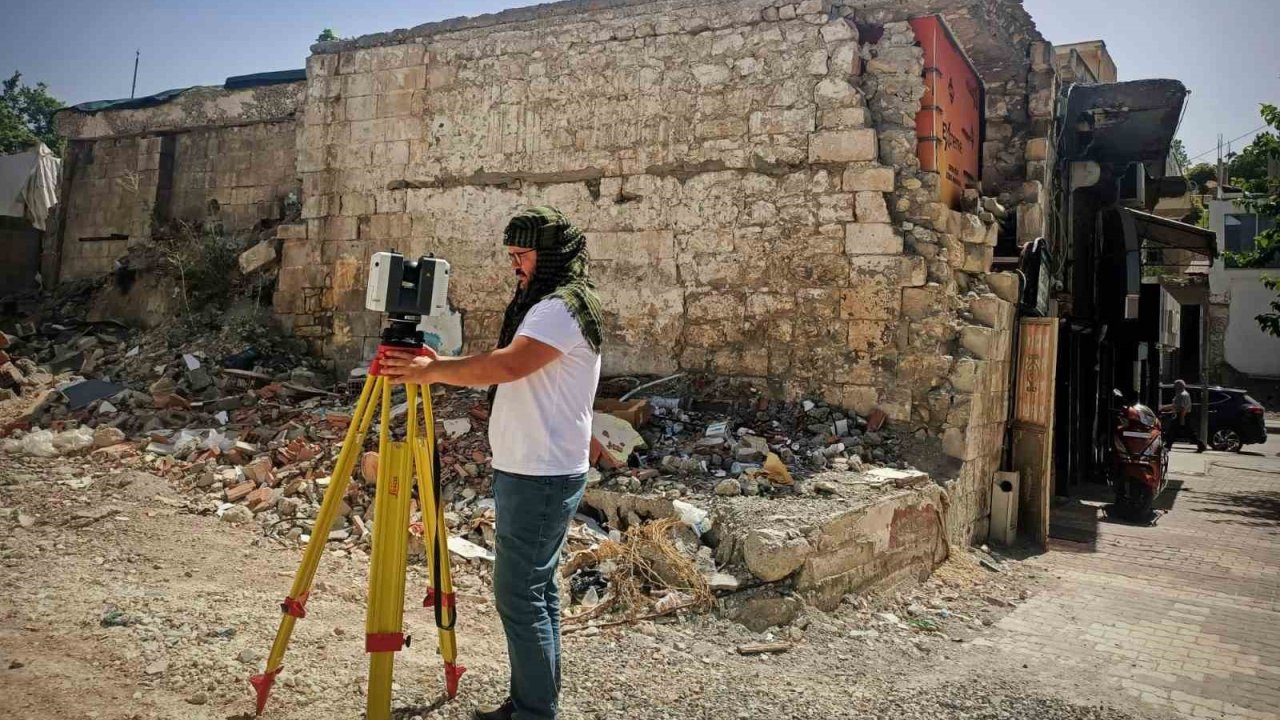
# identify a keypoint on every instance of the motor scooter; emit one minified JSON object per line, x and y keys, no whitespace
{"x":1139,"y":459}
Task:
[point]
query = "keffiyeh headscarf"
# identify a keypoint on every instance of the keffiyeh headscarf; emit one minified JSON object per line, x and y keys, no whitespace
{"x":561,"y":272}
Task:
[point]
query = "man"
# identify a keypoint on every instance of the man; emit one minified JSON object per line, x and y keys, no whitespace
{"x":545,"y":370}
{"x":1182,"y":429}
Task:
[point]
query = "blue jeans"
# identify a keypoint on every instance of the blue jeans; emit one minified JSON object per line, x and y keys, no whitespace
{"x":533,"y":521}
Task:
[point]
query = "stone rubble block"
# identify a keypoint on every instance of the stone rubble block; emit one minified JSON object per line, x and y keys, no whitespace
{"x":985,"y":343}
{"x":842,"y":118}
{"x":871,"y":239}
{"x":1006,"y":285}
{"x":896,"y":538}
{"x":870,"y":208}
{"x":993,"y":312}
{"x":868,"y":179}
{"x":772,"y":555}
{"x":842,"y":146}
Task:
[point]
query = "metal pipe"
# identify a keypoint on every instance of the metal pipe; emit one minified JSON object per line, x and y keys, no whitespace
{"x":1204,"y":372}
{"x":635,"y":390}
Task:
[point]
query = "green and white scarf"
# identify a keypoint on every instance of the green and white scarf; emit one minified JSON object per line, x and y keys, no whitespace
{"x":561,"y":272}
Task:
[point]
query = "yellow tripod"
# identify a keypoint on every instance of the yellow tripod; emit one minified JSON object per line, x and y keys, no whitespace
{"x":397,"y":463}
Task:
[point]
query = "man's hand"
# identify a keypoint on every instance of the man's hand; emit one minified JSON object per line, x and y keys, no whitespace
{"x":407,"y":366}
{"x":521,"y":358}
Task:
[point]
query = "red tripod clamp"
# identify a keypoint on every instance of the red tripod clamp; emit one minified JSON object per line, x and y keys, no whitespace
{"x":375,"y":367}
{"x":448,"y":600}
{"x":385,"y":642}
{"x":295,"y":607}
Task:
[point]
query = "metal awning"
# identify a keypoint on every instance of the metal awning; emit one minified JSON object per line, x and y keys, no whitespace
{"x":1173,"y":235}
{"x":1124,"y":122}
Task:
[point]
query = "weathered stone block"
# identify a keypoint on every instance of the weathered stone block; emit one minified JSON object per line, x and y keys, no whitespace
{"x":868,"y":179}
{"x":871,"y":208}
{"x":921,"y":302}
{"x":992,"y":311}
{"x":872,"y":239}
{"x":977,"y":258}
{"x":983,"y":342}
{"x":842,"y":118}
{"x":869,"y":336}
{"x":258,"y":256}
{"x":1030,"y":222}
{"x":394,"y":104}
{"x":775,"y":121}
{"x":1037,"y":149}
{"x":772,"y":555}
{"x":1005,"y":285}
{"x":836,"y":91}
{"x":842,"y":146}
{"x":839,"y":30}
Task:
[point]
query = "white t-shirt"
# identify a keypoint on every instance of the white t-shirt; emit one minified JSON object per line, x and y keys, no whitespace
{"x":541,"y":423}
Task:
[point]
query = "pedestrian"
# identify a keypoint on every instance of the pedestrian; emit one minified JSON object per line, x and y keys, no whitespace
{"x":543,"y":378}
{"x":1181,"y":408}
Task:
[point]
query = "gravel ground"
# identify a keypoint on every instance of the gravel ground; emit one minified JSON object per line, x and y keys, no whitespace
{"x":120,"y":603}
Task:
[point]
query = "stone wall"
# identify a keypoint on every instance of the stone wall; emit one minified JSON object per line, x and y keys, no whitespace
{"x":746,"y":174}
{"x":108,"y":186}
{"x":236,"y":176}
{"x":208,"y":155}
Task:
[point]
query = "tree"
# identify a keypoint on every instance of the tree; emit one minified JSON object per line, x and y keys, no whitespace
{"x":26,"y":116}
{"x":1179,"y":153}
{"x":1270,"y":322}
{"x":1200,"y":174}
{"x":1248,"y":168}
{"x":326,"y":35}
{"x":1265,"y":147}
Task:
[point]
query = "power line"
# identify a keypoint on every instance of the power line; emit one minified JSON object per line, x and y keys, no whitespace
{"x":1206,"y":152}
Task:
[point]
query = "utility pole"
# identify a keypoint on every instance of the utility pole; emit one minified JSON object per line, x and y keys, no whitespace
{"x":134,"y":88}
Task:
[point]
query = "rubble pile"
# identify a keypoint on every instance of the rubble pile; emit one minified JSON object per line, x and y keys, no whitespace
{"x":242,"y":420}
{"x":752,"y":446}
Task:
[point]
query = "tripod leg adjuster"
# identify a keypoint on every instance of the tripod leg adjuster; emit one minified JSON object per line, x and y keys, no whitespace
{"x":446,"y":599}
{"x":385,"y":642}
{"x":295,"y":607}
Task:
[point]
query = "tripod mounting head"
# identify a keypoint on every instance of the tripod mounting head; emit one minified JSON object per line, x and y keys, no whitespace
{"x":406,"y":290}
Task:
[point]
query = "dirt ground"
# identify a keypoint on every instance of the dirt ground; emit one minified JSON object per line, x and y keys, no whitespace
{"x":121,"y":602}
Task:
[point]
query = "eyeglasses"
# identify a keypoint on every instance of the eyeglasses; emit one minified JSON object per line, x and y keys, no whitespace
{"x":517,"y":257}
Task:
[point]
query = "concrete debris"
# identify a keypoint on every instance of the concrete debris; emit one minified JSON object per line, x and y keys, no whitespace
{"x":258,"y":257}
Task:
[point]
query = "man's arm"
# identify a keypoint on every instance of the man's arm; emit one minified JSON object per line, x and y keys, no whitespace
{"x":523,"y":357}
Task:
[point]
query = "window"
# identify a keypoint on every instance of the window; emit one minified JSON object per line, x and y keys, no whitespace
{"x":1242,"y":228}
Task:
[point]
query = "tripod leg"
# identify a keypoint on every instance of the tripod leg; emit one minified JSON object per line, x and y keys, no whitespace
{"x":294,"y":606}
{"x":384,"y":623}
{"x":440,"y":595}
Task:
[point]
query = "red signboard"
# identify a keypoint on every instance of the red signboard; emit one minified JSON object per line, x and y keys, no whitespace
{"x":949,"y":125}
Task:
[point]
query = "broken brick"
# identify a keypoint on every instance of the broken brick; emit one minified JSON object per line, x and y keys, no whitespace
{"x":261,"y":499}
{"x":259,"y":471}
{"x":237,"y":493}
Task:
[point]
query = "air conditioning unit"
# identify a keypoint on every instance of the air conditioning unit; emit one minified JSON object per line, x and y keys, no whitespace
{"x":1133,"y":186}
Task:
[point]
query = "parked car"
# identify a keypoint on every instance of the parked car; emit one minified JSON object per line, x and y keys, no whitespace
{"x":1235,"y":419}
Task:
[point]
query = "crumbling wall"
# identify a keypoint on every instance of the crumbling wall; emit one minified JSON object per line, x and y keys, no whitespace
{"x":107,"y":189}
{"x":207,"y":155}
{"x":236,"y":176}
{"x":722,"y":160}
{"x":955,"y":329}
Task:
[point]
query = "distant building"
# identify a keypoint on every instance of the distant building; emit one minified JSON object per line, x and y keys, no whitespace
{"x":1084,"y":62}
{"x":1239,"y":295}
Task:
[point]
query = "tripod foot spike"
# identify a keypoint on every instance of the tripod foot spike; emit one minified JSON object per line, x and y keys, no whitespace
{"x":452,"y":674}
{"x":262,"y":686}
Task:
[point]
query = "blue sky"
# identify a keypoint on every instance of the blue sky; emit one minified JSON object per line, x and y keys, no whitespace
{"x":1226,"y":51}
